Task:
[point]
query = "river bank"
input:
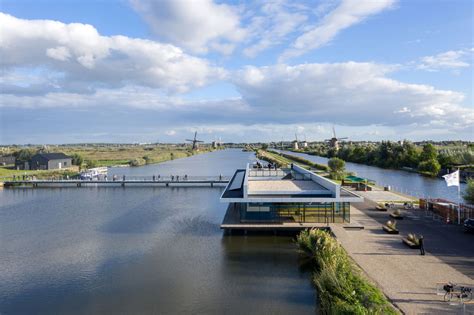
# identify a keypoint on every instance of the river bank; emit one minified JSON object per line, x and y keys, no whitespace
{"x":105,"y":156}
{"x":406,"y":183}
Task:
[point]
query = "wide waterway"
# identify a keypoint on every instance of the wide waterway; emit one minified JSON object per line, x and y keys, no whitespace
{"x":141,"y":250}
{"x":406,"y":182}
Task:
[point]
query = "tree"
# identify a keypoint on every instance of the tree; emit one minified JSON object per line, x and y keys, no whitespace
{"x":430,"y":167}
{"x":91,"y":163}
{"x":429,"y":152}
{"x":24,"y":155}
{"x":468,"y":194}
{"x":336,"y":167}
{"x":77,"y":159}
{"x":264,"y":146}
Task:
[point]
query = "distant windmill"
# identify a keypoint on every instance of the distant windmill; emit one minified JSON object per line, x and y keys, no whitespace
{"x":195,"y":141}
{"x":334,"y":141}
{"x":295,"y":143}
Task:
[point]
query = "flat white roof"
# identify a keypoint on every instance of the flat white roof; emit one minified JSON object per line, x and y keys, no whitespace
{"x":282,"y":187}
{"x":285,"y":185}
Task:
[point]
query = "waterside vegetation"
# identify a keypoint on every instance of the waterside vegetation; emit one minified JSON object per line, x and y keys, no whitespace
{"x":427,"y":159}
{"x":341,"y":286}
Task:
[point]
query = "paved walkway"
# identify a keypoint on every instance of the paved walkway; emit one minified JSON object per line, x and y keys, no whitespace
{"x":407,"y":278}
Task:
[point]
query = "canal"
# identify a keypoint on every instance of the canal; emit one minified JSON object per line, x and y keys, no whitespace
{"x":406,"y":182}
{"x":142,"y":250}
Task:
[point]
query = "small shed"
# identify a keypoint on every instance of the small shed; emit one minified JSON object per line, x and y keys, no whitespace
{"x":50,"y":161}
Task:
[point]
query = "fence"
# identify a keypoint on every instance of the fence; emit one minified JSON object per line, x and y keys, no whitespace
{"x":447,"y":210}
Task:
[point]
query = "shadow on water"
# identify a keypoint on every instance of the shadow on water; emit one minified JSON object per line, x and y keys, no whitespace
{"x":196,"y":226}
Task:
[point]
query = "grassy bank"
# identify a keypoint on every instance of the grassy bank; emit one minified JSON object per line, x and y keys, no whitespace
{"x":7,"y":173}
{"x":282,"y":159}
{"x":105,"y":155}
{"x":123,"y":155}
{"x":340,"y":284}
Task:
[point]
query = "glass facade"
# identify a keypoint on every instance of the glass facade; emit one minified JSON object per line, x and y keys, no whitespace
{"x":330,"y":212}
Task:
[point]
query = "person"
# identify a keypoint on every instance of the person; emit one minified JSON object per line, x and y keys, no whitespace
{"x":422,"y":245}
{"x":172,"y":177}
{"x":177,"y":178}
{"x":186,"y":177}
{"x":153,"y":177}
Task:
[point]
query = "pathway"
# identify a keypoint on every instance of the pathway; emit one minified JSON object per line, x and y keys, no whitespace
{"x":407,"y":278}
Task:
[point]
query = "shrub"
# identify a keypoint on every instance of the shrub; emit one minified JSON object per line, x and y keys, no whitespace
{"x":468,"y":194}
{"x":336,"y":167}
{"x":429,"y":167}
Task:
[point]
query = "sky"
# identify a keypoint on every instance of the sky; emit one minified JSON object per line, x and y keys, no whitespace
{"x":75,"y":71}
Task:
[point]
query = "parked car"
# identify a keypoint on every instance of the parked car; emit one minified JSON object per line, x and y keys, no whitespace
{"x":469,"y":225}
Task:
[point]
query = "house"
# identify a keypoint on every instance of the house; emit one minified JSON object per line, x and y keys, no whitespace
{"x":7,"y":159}
{"x":290,"y":197}
{"x":50,"y":161}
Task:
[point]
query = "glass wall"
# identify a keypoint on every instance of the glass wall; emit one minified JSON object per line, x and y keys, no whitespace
{"x":329,"y":212}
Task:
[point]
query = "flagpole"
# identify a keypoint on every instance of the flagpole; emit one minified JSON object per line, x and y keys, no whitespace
{"x":459,"y":196}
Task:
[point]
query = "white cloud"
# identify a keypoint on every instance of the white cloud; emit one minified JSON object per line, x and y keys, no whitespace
{"x":453,"y":59}
{"x":196,"y":25}
{"x":274,"y":22}
{"x":346,"y":93}
{"x":348,"y":13}
{"x":83,"y":60}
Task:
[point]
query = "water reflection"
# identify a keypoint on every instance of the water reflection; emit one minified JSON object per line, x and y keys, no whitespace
{"x":142,"y":250}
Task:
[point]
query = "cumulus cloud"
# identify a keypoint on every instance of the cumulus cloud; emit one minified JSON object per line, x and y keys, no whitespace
{"x":346,"y":93}
{"x":348,"y":13}
{"x":80,"y":58}
{"x":453,"y":59}
{"x":273,"y":23}
{"x":197,"y":25}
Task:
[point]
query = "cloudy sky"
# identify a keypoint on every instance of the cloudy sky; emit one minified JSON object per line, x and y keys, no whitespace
{"x":146,"y":71}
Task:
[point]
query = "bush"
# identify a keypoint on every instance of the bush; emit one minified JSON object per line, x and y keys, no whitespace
{"x":468,"y":194}
{"x":430,"y":167}
{"x":336,"y":167}
{"x":91,"y":163}
{"x":77,"y":159}
{"x":136,"y":162}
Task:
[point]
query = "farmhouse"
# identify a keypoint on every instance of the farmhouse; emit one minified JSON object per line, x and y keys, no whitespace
{"x":50,"y":161}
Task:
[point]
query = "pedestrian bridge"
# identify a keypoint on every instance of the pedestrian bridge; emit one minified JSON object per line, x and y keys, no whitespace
{"x":171,"y":181}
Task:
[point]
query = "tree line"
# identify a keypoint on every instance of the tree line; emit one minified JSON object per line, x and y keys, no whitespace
{"x":387,"y":154}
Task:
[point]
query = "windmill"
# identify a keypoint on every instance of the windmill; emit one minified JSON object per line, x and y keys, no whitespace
{"x":295,"y":143}
{"x":305,"y":143}
{"x":334,"y":141}
{"x":195,"y":142}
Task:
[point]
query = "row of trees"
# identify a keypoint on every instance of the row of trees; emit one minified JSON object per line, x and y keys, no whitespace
{"x":387,"y":154}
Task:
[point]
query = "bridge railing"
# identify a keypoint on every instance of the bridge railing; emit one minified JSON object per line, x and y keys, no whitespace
{"x":128,"y":178}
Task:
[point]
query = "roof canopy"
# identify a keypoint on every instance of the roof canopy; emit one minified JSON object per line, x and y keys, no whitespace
{"x":294,"y":184}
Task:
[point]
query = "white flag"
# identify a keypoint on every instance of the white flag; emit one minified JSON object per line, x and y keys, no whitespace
{"x":452,"y":179}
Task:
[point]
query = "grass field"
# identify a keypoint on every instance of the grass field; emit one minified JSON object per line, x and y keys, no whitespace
{"x":107,"y":155}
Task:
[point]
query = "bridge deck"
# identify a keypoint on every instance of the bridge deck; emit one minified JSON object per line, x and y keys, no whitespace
{"x":111,"y":183}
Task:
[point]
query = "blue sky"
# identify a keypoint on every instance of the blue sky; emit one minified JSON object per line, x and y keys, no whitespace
{"x":143,"y":70}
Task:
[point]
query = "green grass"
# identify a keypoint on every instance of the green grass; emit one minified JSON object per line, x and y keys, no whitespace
{"x":341,"y":286}
{"x":7,"y":173}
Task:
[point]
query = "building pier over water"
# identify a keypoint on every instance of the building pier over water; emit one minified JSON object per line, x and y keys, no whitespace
{"x":288,"y":198}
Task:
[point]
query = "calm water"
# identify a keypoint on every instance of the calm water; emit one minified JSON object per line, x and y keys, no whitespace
{"x":406,"y":182}
{"x":142,"y":250}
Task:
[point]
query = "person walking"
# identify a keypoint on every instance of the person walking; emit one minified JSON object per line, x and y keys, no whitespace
{"x":422,"y":245}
